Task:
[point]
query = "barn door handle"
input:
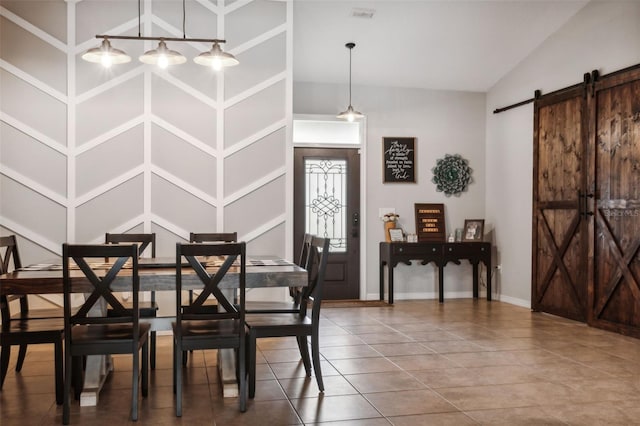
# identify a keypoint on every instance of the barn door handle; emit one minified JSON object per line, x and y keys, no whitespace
{"x":586,"y":211}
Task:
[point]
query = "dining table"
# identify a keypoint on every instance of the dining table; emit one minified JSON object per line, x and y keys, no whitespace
{"x":155,"y":274}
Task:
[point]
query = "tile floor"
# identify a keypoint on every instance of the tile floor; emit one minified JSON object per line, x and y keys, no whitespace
{"x":415,"y":363}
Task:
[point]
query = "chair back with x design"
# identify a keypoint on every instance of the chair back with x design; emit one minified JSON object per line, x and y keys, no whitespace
{"x":102,"y":325}
{"x":101,"y":283}
{"x":199,"y":327}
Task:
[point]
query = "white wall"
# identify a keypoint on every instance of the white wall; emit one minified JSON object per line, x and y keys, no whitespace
{"x":604,"y":35}
{"x":442,"y":123}
{"x":84,"y":150}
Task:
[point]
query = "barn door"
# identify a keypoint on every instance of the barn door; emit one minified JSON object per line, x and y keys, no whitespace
{"x":559,"y":282}
{"x":615,"y":140}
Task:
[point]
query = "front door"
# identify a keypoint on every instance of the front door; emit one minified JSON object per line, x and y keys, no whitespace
{"x":327,"y":204}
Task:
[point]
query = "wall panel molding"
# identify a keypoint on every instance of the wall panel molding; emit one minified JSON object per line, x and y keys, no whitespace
{"x":27,"y":78}
{"x":34,"y":133}
{"x":204,"y":106}
{"x":26,"y":25}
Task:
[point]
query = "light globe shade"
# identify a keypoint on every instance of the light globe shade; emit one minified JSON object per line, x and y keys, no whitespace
{"x":350,"y":114}
{"x":216,"y":58}
{"x":106,"y":55}
{"x":162,"y":56}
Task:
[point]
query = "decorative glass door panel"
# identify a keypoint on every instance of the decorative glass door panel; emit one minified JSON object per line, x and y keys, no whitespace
{"x":326,"y":195}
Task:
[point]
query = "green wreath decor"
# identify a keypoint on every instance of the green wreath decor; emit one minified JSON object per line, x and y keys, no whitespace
{"x":451,"y":175}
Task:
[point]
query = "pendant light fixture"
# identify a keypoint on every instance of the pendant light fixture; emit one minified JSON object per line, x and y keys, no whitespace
{"x":162,"y":56}
{"x":216,"y":58}
{"x":350,"y":114}
{"x":106,"y":55}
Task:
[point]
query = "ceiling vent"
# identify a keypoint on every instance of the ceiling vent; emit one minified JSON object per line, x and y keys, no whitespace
{"x":359,"y":12}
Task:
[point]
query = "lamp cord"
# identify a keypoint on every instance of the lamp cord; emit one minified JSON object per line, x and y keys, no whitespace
{"x":350,"y":76}
{"x":139,"y":33}
{"x":184,"y":18}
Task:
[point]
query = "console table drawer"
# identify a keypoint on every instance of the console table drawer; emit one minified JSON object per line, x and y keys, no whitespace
{"x":419,"y":249}
{"x":466,"y":250}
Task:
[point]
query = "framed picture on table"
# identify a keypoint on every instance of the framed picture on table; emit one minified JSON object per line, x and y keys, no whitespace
{"x":396,"y":234}
{"x":473,"y":230}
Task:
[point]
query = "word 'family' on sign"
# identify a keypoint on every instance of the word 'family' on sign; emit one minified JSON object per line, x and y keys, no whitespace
{"x":398,"y":159}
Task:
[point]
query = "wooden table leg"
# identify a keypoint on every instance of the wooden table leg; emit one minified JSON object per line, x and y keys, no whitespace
{"x":475,"y":280}
{"x":227,"y":363}
{"x":96,"y":371}
{"x":381,"y":280}
{"x":390,"y":284}
{"x":488,"y":266}
{"x":441,"y":283}
{"x":227,"y":373}
{"x":97,"y":368}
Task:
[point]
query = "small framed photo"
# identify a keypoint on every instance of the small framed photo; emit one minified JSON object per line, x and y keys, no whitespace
{"x":396,"y":234}
{"x":473,"y":230}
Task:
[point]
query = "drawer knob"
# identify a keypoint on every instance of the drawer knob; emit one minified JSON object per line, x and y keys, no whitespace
{"x":433,"y":249}
{"x":450,"y":249}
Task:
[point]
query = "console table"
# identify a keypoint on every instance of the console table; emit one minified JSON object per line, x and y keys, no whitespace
{"x":439,"y":253}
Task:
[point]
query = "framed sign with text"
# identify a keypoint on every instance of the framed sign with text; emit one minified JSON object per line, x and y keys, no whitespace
{"x":398,"y":159}
{"x":430,"y":225}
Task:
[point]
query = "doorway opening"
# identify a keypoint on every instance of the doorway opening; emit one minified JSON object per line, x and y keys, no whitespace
{"x":327,"y":176}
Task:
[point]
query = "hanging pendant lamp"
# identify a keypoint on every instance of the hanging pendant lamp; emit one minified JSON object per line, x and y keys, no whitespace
{"x":106,"y":55}
{"x":162,"y":56}
{"x":216,"y":58}
{"x":350,"y":114}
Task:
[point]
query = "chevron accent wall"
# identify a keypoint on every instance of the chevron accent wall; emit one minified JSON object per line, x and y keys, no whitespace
{"x":84,"y":150}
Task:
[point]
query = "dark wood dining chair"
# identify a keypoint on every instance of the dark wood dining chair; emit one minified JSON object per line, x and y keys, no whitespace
{"x":198,"y":327}
{"x":27,"y":326}
{"x":148,"y":309}
{"x":297,"y":321}
{"x":261,"y":307}
{"x":89,"y":330}
{"x":211,"y":237}
{"x":303,"y":258}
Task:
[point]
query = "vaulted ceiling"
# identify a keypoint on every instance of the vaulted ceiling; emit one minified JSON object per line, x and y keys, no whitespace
{"x":432,"y":44}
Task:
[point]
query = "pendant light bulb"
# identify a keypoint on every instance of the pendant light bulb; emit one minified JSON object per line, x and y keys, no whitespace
{"x":163,"y":62}
{"x":106,"y":61}
{"x":216,"y":64}
{"x":350,"y":114}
